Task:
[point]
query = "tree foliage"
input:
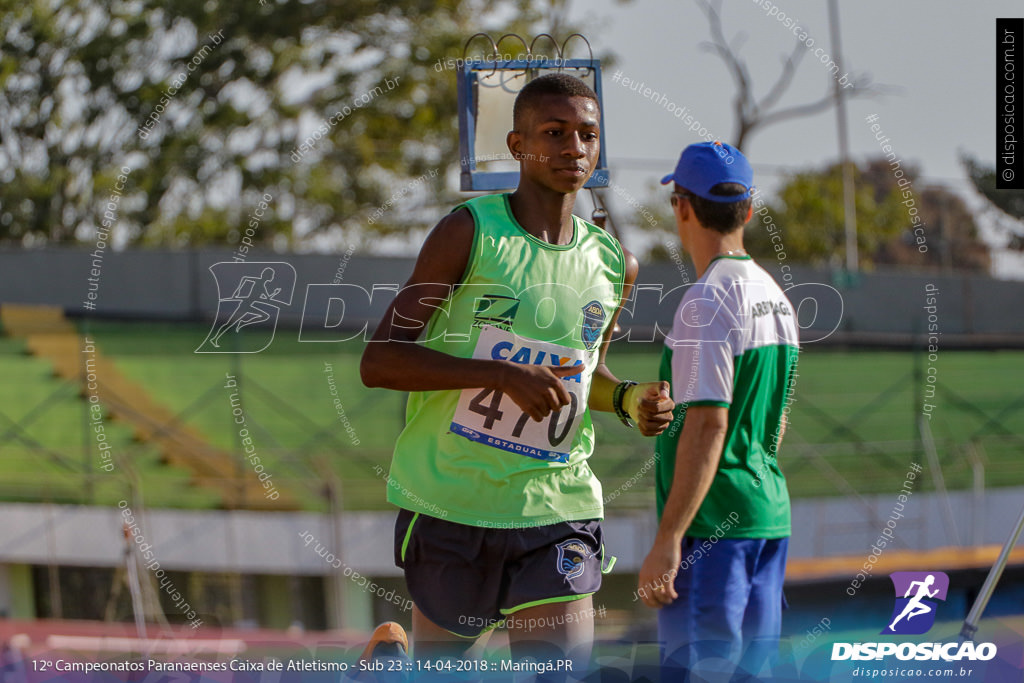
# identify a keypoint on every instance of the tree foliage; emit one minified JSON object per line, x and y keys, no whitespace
{"x":755,"y":113}
{"x":809,"y":213}
{"x":809,"y":225}
{"x":206,"y":104}
{"x":898,"y":222}
{"x":946,"y":225}
{"x":1009,"y":203}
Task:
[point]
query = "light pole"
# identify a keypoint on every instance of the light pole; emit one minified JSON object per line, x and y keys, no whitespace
{"x":849,"y":204}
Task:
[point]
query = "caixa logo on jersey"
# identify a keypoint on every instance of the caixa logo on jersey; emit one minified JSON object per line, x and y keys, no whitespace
{"x":917,"y":600}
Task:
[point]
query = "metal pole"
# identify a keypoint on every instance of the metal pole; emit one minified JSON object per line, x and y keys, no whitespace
{"x":936,"y":471}
{"x":336,"y":514}
{"x":849,"y":203}
{"x":970,"y":626}
{"x":90,"y":494}
{"x":978,"y":490}
{"x":53,"y":569}
{"x":134,"y":587}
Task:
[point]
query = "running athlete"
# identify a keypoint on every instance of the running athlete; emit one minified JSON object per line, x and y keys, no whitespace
{"x":518,"y":297}
{"x":715,"y":569}
{"x":915,"y":607}
{"x":252,"y":307}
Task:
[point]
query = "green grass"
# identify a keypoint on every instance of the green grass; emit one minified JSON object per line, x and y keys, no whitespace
{"x":852,"y":427}
{"x":858,"y":412}
{"x":49,"y":450}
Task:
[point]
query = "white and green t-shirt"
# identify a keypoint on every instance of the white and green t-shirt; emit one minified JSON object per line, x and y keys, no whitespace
{"x":734,"y":343}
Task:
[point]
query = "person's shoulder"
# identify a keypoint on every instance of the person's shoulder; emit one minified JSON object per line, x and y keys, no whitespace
{"x":607,"y":240}
{"x":445,"y":255}
{"x":759,"y":272}
{"x":479,"y":213}
{"x":457,"y":227}
{"x":484,"y":204}
{"x":720,"y":278}
{"x":631,"y":265}
{"x":734,"y":276}
{"x":591,"y":230}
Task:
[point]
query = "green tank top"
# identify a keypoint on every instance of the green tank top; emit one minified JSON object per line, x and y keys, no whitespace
{"x":472,"y":456}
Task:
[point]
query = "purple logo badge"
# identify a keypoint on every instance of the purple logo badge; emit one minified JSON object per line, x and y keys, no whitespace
{"x":917,"y":594}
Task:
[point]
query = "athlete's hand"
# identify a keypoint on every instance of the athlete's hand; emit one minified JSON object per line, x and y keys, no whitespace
{"x":537,"y":389}
{"x":655,"y":585}
{"x":650,"y":405}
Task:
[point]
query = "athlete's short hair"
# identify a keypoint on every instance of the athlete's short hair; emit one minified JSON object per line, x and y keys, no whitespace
{"x":723,"y":217}
{"x":551,"y":84}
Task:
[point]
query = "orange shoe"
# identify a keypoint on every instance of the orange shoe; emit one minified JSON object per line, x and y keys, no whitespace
{"x":390,"y":637}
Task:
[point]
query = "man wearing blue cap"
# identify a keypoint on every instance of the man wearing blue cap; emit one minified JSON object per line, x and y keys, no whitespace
{"x":716,"y":567}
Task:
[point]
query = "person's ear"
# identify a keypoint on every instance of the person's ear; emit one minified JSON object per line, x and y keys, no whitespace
{"x":514,"y":142}
{"x":750,"y":214}
{"x":683,"y":205}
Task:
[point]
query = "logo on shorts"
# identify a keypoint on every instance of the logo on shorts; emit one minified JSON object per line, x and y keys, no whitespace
{"x":593,"y":322}
{"x":913,"y":614}
{"x":497,"y":310}
{"x":572,"y":555}
{"x":258,"y":291}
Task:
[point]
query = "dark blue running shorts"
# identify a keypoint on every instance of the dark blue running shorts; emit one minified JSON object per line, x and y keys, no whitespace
{"x":466,"y":579}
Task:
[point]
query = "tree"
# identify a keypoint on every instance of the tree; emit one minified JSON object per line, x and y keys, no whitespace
{"x":946,"y":225}
{"x":1008,"y":203}
{"x":809,"y":213}
{"x":894,"y":220}
{"x":329,"y":107}
{"x":753,"y":113}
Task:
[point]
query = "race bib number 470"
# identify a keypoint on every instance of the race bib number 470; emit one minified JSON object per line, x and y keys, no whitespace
{"x":489,"y":417}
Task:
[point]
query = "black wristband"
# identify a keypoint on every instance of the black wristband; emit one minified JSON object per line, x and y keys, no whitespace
{"x":617,"y":396}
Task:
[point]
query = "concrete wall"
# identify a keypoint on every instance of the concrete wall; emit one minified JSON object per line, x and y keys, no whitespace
{"x":272,"y":545}
{"x":272,"y":542}
{"x":883,"y":307}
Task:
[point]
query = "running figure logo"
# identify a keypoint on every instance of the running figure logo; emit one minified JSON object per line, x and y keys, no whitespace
{"x":258,"y":290}
{"x":914,"y":612}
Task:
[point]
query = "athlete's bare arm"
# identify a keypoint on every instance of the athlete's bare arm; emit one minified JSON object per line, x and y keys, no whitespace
{"x":394,"y":361}
{"x":655,"y":406}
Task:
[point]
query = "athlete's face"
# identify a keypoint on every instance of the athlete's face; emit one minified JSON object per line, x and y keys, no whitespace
{"x":558,"y":142}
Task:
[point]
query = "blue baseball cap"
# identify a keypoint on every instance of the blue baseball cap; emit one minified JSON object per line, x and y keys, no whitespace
{"x":706,"y":164}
